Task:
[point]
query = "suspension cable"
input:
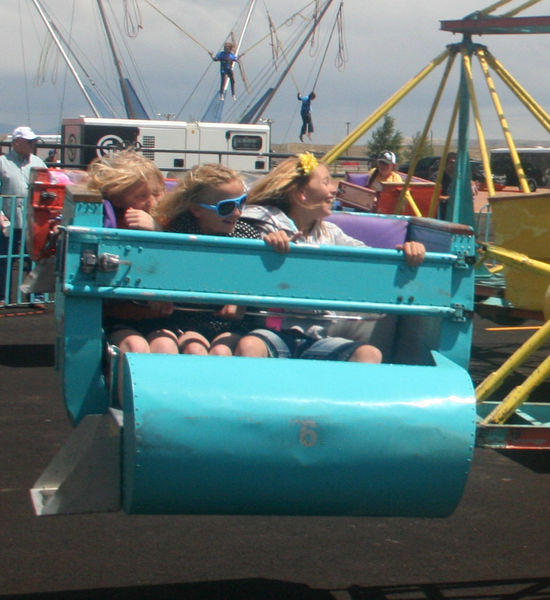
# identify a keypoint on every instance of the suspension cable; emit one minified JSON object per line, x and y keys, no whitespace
{"x":283,"y":24}
{"x":22,"y":37}
{"x":341,"y":56}
{"x":65,"y":78}
{"x":178,"y":26}
{"x":326,"y":48}
{"x":132,"y":18}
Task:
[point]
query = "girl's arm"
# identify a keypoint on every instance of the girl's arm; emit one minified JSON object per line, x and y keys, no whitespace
{"x":139,"y":219}
{"x":414,"y":252}
{"x":280,"y":240}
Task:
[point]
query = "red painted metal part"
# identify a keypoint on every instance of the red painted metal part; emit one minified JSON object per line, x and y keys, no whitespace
{"x":498,"y":25}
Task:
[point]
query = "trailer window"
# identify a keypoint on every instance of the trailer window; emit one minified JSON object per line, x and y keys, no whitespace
{"x":250,"y":143}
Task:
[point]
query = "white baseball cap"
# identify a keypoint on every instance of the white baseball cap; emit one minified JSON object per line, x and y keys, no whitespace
{"x":387,"y":157}
{"x":24,"y":132}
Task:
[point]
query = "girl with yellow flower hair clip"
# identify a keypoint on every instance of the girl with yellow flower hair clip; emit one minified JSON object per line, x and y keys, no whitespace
{"x":290,"y":204}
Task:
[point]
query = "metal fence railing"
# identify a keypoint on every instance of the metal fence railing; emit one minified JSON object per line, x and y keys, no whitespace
{"x":15,"y":261}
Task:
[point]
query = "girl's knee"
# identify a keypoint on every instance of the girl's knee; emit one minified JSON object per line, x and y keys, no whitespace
{"x":220,"y":350}
{"x":134,"y":343}
{"x":366,"y":354}
{"x":224,"y":344}
{"x":193,"y":347}
{"x":163,"y":342}
{"x":251,"y":346}
{"x":164,"y":346}
{"x":192,"y":342}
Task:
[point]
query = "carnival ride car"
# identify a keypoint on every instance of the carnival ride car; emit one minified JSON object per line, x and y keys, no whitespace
{"x":194,"y":434}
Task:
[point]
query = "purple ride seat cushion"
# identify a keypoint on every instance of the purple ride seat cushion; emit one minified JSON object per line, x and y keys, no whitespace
{"x":377,"y":232}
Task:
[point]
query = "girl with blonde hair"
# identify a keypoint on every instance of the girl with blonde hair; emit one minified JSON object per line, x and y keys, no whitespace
{"x":290,"y":204}
{"x":209,"y":200}
{"x":131,"y":185}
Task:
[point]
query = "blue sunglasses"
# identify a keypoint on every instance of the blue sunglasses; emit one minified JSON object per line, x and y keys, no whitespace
{"x":225,"y":207}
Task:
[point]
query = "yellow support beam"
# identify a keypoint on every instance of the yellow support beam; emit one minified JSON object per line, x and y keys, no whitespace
{"x":494,"y":380}
{"x":383,"y":109}
{"x":503,"y":411}
{"x":466,"y":59}
{"x":515,"y":11}
{"x":524,"y":97}
{"x":424,"y":135}
{"x":505,"y":130}
{"x":493,"y":7}
{"x":518,"y":260}
{"x":446,"y":148}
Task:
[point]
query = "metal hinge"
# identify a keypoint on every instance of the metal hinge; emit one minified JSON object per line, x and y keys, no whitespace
{"x":461,"y":313}
{"x":104,"y":263}
{"x":463,"y":260}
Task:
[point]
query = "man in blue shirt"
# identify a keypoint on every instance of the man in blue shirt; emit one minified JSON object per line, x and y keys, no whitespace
{"x":15,"y":170}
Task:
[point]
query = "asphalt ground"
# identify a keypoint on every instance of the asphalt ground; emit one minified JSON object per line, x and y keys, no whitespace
{"x":495,"y":545}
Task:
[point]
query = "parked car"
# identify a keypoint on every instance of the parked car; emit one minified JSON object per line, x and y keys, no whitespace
{"x":502,"y":165}
{"x":428,"y":166}
{"x":425,"y":167}
{"x":478,"y":175}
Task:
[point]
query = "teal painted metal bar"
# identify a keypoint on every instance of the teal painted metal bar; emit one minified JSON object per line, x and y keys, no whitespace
{"x":260,"y":436}
{"x":195,"y":297}
{"x":247,"y":270}
{"x":461,"y":201}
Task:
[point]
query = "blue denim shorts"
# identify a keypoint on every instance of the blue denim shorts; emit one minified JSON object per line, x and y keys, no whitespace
{"x":290,"y":344}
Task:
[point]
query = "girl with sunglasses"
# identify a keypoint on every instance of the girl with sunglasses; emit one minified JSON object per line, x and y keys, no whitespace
{"x":290,"y":204}
{"x":209,"y":200}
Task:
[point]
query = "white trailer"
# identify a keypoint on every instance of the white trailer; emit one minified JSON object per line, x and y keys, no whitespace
{"x":170,"y":144}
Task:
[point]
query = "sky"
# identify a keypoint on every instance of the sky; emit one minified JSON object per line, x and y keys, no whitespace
{"x":386,"y":45}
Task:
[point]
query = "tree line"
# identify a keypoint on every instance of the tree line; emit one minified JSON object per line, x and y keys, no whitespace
{"x":387,"y":137}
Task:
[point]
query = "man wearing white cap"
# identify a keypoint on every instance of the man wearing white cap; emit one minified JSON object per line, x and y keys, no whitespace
{"x":384,"y":172}
{"x":15,"y":170}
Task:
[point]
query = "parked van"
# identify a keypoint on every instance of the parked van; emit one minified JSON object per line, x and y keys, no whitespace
{"x":534,"y":160}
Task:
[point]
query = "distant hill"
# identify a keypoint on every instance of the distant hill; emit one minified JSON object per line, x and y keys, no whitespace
{"x":361,"y":150}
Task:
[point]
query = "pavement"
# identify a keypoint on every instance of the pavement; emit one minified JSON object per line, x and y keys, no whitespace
{"x":494,"y":547}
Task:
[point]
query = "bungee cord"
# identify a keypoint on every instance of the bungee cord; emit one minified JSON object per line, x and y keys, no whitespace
{"x":132,"y":18}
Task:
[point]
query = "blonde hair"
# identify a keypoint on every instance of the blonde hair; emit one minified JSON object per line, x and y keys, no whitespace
{"x":195,"y":186}
{"x":113,"y":175}
{"x":278,"y":186}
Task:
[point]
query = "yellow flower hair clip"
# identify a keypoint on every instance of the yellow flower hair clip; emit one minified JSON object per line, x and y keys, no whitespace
{"x":308,"y":163}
